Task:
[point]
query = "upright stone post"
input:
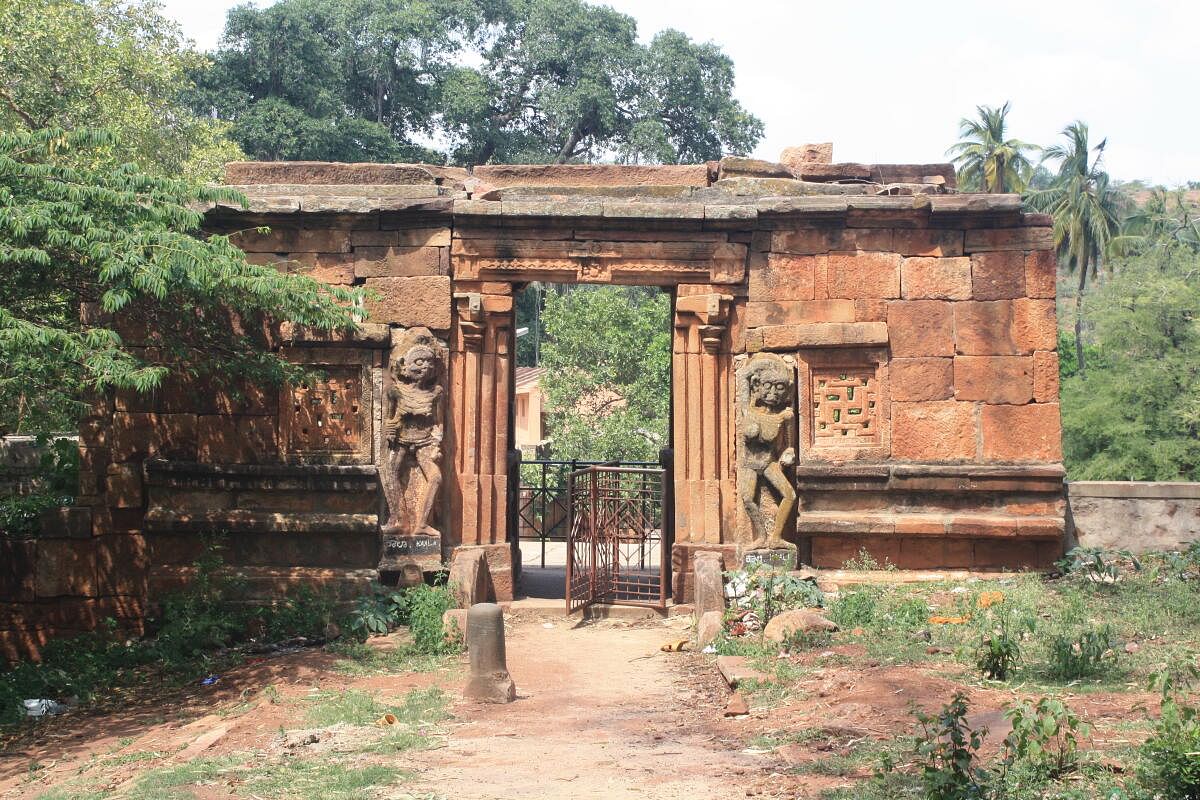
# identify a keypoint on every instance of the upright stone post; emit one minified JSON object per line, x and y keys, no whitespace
{"x":490,"y":681}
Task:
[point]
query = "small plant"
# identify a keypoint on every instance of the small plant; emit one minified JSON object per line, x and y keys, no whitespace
{"x":307,"y":613}
{"x":854,"y":608}
{"x":1096,"y":563}
{"x":1000,"y":651}
{"x":865,"y":562}
{"x":800,"y":640}
{"x":377,"y":614}
{"x":948,"y":752}
{"x":767,"y":591}
{"x":1044,"y":738}
{"x":1170,"y":757}
{"x":1083,"y":655}
{"x":427,"y":605}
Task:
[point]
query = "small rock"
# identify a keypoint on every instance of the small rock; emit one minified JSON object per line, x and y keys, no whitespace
{"x":737,"y":706}
{"x":922,"y":636}
{"x":708,"y":627}
{"x":1132,"y":647}
{"x":788,"y":623}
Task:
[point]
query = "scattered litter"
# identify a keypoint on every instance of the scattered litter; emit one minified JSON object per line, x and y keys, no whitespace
{"x":210,"y":680}
{"x":41,"y":707}
{"x":547,"y":624}
{"x":386,"y":720}
{"x":674,"y":647}
{"x":959,"y":590}
{"x":710,"y":649}
{"x":937,"y":620}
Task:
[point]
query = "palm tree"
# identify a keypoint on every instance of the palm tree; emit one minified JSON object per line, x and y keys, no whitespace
{"x":985,"y":159}
{"x":1164,"y":219}
{"x":1087,"y":211}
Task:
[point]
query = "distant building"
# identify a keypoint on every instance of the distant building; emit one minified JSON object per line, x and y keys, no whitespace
{"x":530,"y":423}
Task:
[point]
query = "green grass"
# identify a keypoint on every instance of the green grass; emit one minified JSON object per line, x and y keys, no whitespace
{"x":361,"y":660}
{"x":293,"y":779}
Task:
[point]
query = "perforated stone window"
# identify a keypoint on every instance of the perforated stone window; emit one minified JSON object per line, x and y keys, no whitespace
{"x":844,"y":408}
{"x":843,"y":405}
{"x":326,"y":414}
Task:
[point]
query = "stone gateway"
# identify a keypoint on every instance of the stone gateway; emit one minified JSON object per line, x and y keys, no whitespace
{"x":862,"y":358}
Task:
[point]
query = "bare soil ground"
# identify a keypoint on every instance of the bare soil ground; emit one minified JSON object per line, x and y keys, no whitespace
{"x":602,"y":712}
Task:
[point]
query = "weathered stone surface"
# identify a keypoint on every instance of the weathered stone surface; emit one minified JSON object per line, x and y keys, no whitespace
{"x":984,"y":328}
{"x":454,"y":623}
{"x":994,"y":379}
{"x":1140,"y":516}
{"x":709,"y":583}
{"x":223,"y":439}
{"x":1035,"y":325}
{"x":1022,"y":433}
{"x":1041,"y":272}
{"x":812,"y":171}
{"x":936,"y":279}
{"x":783,"y":277}
{"x":998,"y":275}
{"x":69,"y":522}
{"x":784,"y":187}
{"x":400,"y":262}
{"x":766,"y":445}
{"x":65,"y":567}
{"x":324,"y":172}
{"x":469,"y":581}
{"x":935,"y":242}
{"x":708,"y":627}
{"x":592,"y":175}
{"x":943,"y":174}
{"x":737,"y":166}
{"x":736,"y":669}
{"x":822,"y":334}
{"x":942,"y":430}
{"x":415,"y":301}
{"x":403,"y":237}
{"x":1045,"y":377}
{"x":797,"y":620}
{"x":736,"y":706}
{"x":828,"y":238}
{"x":983,"y":239}
{"x":816,"y":153}
{"x":123,"y":485}
{"x":913,"y":379}
{"x":17,"y":569}
{"x":293,"y":240}
{"x":798,"y":312}
{"x":921,"y":328}
{"x":864,"y":274}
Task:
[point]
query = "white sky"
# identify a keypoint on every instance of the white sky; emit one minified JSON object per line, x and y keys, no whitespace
{"x":888,"y":80}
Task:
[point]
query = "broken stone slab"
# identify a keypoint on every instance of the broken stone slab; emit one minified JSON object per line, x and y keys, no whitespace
{"x":327,"y":172}
{"x":371,"y":334}
{"x":737,"y":166}
{"x":503,"y":175}
{"x":975,"y":204}
{"x":737,"y":706}
{"x":469,"y":581}
{"x":736,"y":669}
{"x":915,"y":173}
{"x":810,"y":171}
{"x":546,"y":194}
{"x":819,"y":334}
{"x":800,"y":620}
{"x":785,"y":187}
{"x":710,"y":583}
{"x":816,"y":153}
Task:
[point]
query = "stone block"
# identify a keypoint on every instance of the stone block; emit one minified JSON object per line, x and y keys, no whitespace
{"x":941,"y":430}
{"x":818,"y":153}
{"x":782,"y":277}
{"x":919,"y":328}
{"x":411,"y":301}
{"x":994,"y":379}
{"x":815,"y":171}
{"x":822,"y":334}
{"x":327,"y":172}
{"x":737,"y":166}
{"x":709,"y":584}
{"x":709,"y":627}
{"x":501,"y":175}
{"x":400,"y":262}
{"x":916,"y":379}
{"x":293,"y":240}
{"x":405,"y":237}
{"x":65,"y":567}
{"x":799,"y":312}
{"x":864,"y":274}
{"x":937,"y":242}
{"x":985,"y":239}
{"x":469,"y":581}
{"x":1035,"y":325}
{"x":984,"y":328}
{"x":797,"y":620}
{"x":18,"y":558}
{"x":1022,"y":433}
{"x":68,"y":522}
{"x":998,"y":275}
{"x":1045,"y":376}
{"x":1041,"y":273}
{"x":935,"y":279}
{"x":869,"y":310}
{"x":122,"y":565}
{"x":137,"y":436}
{"x":826,"y":239}
{"x":123,"y":485}
{"x":223,"y":439}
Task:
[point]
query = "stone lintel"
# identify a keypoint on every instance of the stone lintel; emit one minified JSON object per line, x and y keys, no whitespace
{"x":159,"y":466}
{"x":162,"y":520}
{"x":823,"y":334}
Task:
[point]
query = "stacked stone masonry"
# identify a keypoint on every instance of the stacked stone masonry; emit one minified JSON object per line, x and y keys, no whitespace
{"x":917,"y":326}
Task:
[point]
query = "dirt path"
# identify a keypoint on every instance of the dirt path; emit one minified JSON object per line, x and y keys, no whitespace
{"x":601,"y":713}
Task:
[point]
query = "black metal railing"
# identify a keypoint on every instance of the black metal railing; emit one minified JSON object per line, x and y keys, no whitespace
{"x":543,"y":502}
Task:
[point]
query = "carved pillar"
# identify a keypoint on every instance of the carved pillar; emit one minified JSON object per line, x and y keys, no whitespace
{"x":705,"y":493}
{"x":481,"y":355}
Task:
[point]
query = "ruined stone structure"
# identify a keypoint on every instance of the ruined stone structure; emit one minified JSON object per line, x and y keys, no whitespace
{"x":897,"y":341}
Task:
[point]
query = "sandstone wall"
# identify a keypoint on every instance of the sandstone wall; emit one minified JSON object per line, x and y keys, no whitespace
{"x":1133,"y":515}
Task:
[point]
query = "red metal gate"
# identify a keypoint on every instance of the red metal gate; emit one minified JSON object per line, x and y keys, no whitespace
{"x":616,"y":550}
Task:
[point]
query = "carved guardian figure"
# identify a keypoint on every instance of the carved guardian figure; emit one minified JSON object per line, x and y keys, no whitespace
{"x":413,"y":430}
{"x":765,"y":436}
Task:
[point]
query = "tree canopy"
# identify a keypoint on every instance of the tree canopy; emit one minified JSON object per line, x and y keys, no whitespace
{"x":106,"y":281}
{"x":468,"y":81}
{"x":117,"y":63}
{"x":607,"y":355}
{"x":987,"y":159}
